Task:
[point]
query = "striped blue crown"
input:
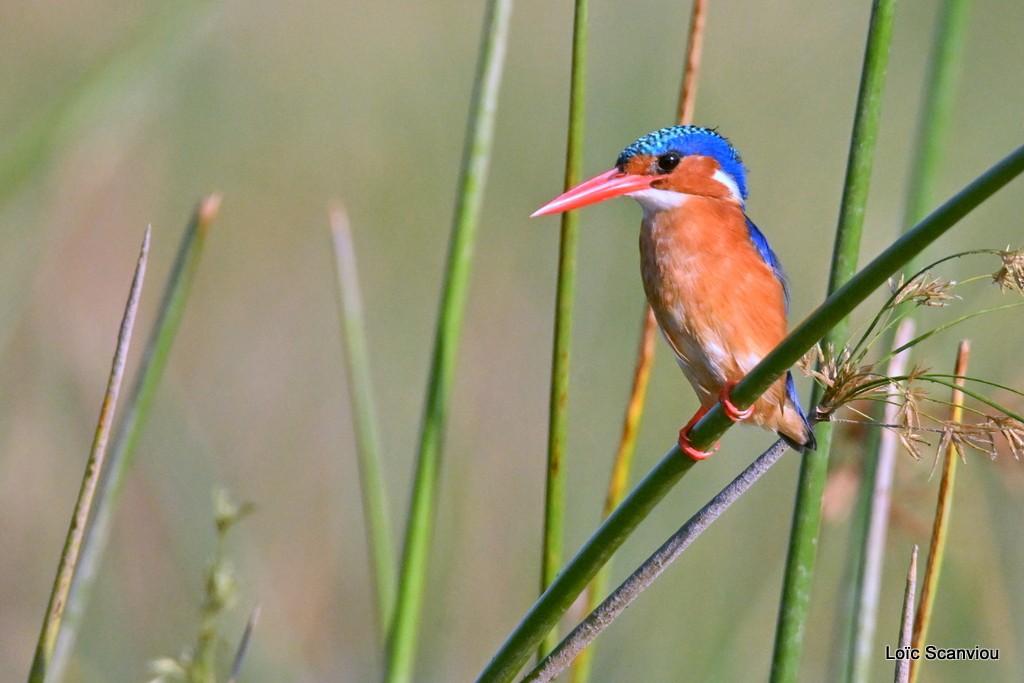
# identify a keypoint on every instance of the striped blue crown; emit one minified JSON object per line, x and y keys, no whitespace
{"x":690,"y":140}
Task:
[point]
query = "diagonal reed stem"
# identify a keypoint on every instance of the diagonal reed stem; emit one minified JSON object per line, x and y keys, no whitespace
{"x":558,"y":406}
{"x":136,"y":411}
{"x":403,"y":631}
{"x":71,"y":555}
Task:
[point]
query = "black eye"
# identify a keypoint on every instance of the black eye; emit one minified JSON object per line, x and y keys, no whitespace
{"x":668,"y":161}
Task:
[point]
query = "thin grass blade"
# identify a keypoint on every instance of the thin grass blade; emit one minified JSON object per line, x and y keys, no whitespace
{"x":952,"y":323}
{"x":360,"y":392}
{"x":978,"y":396}
{"x":136,"y":411}
{"x":43,"y":668}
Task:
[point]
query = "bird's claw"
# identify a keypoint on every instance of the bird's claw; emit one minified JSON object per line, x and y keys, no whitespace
{"x":684,"y":439}
{"x":685,"y":447}
{"x":731,"y":411}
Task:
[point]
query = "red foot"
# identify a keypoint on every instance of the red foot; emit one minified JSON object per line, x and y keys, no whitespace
{"x":684,"y":439}
{"x":731,"y":411}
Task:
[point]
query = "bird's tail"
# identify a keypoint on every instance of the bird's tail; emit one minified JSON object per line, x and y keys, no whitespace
{"x":801,"y":436}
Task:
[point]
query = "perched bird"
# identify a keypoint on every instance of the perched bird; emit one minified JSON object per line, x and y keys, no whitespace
{"x":716,"y":287}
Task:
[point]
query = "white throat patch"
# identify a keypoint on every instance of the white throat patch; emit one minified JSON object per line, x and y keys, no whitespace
{"x":653,"y":200}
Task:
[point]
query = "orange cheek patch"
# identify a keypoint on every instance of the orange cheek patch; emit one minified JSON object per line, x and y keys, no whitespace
{"x":641,"y":164}
{"x":693,"y":176}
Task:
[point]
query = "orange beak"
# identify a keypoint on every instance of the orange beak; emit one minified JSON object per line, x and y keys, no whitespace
{"x":612,"y":183}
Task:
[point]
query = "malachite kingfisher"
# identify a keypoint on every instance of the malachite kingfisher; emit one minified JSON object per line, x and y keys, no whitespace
{"x":717,"y":289}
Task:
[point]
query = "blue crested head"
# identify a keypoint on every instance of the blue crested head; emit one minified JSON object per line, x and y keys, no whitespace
{"x":689,"y":141}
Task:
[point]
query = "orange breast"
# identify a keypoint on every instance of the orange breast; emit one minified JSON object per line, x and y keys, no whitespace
{"x":718,"y":303}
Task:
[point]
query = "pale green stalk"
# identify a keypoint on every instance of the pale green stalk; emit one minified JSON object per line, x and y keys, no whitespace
{"x":935,"y":119}
{"x":360,"y":393}
{"x":131,"y":69}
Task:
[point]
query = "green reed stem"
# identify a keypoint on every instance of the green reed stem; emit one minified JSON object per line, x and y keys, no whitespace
{"x":558,"y":408}
{"x":404,"y":629}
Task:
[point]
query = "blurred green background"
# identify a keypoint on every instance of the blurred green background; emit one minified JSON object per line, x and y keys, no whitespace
{"x":118,"y":115}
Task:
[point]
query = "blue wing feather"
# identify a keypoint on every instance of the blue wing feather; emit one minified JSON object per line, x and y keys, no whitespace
{"x":761,"y":243}
{"x":765,"y":251}
{"x":795,"y":400}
